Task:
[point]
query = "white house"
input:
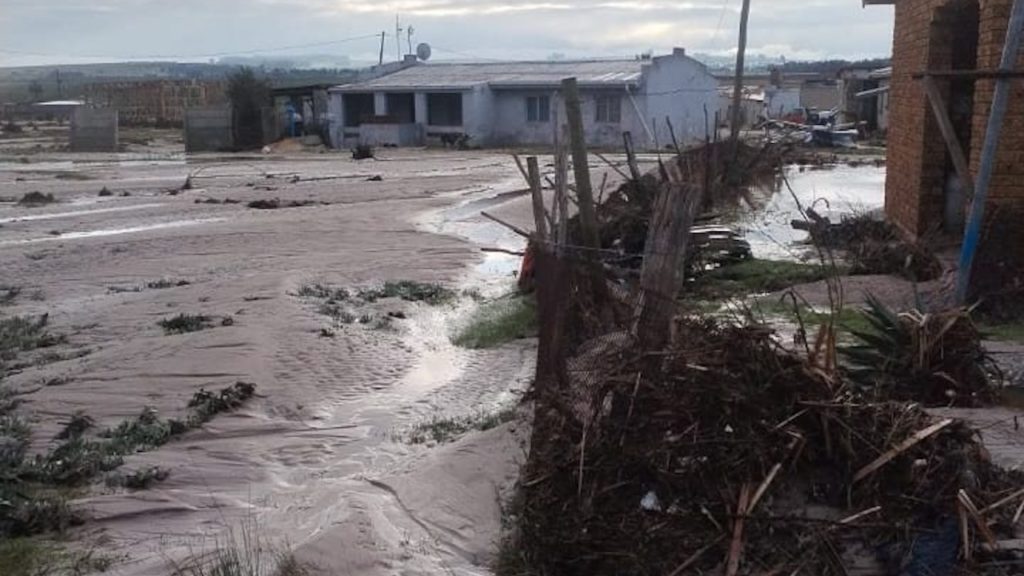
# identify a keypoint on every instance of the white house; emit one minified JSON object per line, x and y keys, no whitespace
{"x":518,"y":103}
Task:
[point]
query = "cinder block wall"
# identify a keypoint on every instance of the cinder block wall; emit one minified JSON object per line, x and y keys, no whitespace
{"x":916,"y":150}
{"x":208,"y":129}
{"x":94,"y":130}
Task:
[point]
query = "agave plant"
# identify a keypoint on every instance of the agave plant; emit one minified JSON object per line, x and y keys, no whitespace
{"x":934,"y":358}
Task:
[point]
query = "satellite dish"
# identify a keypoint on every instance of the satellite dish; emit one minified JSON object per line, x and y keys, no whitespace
{"x":423,"y":51}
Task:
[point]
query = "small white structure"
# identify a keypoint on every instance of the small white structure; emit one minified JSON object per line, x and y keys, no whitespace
{"x":518,"y":103}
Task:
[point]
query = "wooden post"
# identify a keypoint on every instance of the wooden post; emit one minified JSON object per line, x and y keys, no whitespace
{"x":949,"y":134}
{"x":634,"y":170}
{"x":1000,"y":100}
{"x":737,"y":92}
{"x":581,"y":168}
{"x":537,"y":192}
{"x":661,"y":278}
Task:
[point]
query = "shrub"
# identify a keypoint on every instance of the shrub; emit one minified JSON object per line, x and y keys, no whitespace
{"x":185,"y":323}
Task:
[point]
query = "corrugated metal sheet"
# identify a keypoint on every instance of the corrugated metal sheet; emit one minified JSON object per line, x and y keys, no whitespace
{"x":505,"y":75}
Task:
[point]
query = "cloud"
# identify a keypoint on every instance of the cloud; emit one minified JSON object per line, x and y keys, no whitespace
{"x":62,"y":30}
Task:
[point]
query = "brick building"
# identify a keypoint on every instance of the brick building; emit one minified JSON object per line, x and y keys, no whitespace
{"x":155,"y":102}
{"x":923,"y":193}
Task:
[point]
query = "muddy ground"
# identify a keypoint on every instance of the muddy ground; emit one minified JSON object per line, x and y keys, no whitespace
{"x":319,"y":461}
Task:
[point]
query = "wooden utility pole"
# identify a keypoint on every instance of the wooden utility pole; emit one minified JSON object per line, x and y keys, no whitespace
{"x":737,"y":93}
{"x":537,"y":193}
{"x":580,"y":166}
{"x":383,"y":35}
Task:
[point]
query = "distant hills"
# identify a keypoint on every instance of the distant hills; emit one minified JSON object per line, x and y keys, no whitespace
{"x":30,"y":83}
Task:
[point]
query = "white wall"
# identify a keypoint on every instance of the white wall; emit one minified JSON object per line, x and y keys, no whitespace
{"x":678,"y":87}
{"x":510,"y":124}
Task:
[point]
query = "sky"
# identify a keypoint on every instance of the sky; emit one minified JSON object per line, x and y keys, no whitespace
{"x":36,"y":32}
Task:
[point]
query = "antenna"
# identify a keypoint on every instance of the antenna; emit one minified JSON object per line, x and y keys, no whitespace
{"x":398,"y":38}
{"x":408,"y":33}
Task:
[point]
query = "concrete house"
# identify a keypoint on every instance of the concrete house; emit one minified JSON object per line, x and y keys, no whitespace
{"x":518,"y":103}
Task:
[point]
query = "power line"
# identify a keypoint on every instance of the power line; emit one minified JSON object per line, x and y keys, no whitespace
{"x":210,"y":55}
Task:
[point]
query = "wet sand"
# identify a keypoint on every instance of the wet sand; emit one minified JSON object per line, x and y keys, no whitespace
{"x":316,"y":460}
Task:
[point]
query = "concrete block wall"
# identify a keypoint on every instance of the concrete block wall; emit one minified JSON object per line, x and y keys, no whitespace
{"x":94,"y":130}
{"x":916,"y":150}
{"x":208,"y":129}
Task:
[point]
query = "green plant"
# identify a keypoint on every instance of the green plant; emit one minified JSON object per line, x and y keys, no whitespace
{"x":410,"y":291}
{"x":205,"y":405}
{"x":139,"y":479}
{"x":753,"y":277}
{"x":8,"y":294}
{"x":24,"y":334}
{"x":499,"y":322}
{"x":441,"y":430}
{"x":76,"y":426}
{"x":184,"y":323}
{"x":243,"y":551}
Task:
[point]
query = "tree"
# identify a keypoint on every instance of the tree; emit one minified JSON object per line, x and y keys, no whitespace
{"x":36,"y":90}
{"x":248,"y":95}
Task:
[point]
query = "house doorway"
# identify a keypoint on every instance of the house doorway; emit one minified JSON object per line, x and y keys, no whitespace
{"x":953,"y":45}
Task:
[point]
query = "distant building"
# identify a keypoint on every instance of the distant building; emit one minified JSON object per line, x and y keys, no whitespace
{"x":864,"y":97}
{"x":155,"y":102}
{"x":519,"y":103}
{"x":949,"y":40}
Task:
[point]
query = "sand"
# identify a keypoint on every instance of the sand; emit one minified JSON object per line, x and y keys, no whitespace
{"x":317,"y":461}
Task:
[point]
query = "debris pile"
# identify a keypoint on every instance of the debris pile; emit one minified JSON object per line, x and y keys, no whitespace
{"x":672,"y":444}
{"x":872,"y":246}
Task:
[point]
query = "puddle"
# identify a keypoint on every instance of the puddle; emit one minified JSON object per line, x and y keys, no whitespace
{"x":113,"y":231}
{"x":55,"y":215}
{"x":833,"y":191}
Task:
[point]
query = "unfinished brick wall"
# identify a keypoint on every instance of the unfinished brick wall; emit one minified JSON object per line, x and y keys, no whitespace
{"x":940,"y":35}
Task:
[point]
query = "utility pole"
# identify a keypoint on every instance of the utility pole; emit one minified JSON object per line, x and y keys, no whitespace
{"x":408,"y":34}
{"x":737,"y":94}
{"x":383,"y":35}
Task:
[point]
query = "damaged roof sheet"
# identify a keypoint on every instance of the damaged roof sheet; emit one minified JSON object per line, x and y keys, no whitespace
{"x":610,"y":73}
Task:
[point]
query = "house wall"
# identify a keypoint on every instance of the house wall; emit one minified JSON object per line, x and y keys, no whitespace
{"x":510,"y":123}
{"x":917,"y":165}
{"x":679,"y":88}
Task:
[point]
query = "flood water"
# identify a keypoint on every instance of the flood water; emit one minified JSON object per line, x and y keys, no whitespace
{"x":765,"y":219}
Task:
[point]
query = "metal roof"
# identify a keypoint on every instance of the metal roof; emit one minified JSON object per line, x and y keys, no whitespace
{"x":498,"y":75}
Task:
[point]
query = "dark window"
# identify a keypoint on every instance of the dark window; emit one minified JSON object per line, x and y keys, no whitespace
{"x":358,"y":107}
{"x":538,"y":109}
{"x":444,"y":109}
{"x":402,"y":108}
{"x":609,"y":109}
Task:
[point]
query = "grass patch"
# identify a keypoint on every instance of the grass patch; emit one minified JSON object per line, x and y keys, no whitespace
{"x":32,"y":489}
{"x":8,"y":294}
{"x":753,"y":277}
{"x":24,"y":334}
{"x":184,"y":323}
{"x":410,"y":291}
{"x":139,"y":479}
{"x":498,"y":322}
{"x":442,"y":430}
{"x":36,"y":199}
{"x":36,"y":557}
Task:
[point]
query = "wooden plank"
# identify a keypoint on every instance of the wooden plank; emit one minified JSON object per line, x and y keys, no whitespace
{"x":634,"y":169}
{"x":949,"y":134}
{"x":907,"y":444}
{"x":736,"y":546}
{"x":511,"y":227}
{"x":537,"y":192}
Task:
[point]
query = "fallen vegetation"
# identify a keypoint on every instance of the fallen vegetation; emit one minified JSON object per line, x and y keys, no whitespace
{"x":36,"y":199}
{"x":184,"y":323}
{"x":24,"y":334}
{"x":276,"y":203}
{"x":753,"y":276}
{"x":342,"y":304}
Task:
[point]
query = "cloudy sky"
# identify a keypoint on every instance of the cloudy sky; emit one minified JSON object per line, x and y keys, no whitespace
{"x":80,"y":31}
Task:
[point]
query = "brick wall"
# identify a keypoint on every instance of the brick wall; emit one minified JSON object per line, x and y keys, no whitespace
{"x":928,"y":34}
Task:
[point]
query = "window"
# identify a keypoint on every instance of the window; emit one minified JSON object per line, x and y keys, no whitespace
{"x":609,"y":109}
{"x":358,"y":108}
{"x":538,"y":109}
{"x":444,"y":109}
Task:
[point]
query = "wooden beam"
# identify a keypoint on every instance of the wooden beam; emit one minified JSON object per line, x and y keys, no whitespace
{"x":956,"y":151}
{"x":969,"y":74}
